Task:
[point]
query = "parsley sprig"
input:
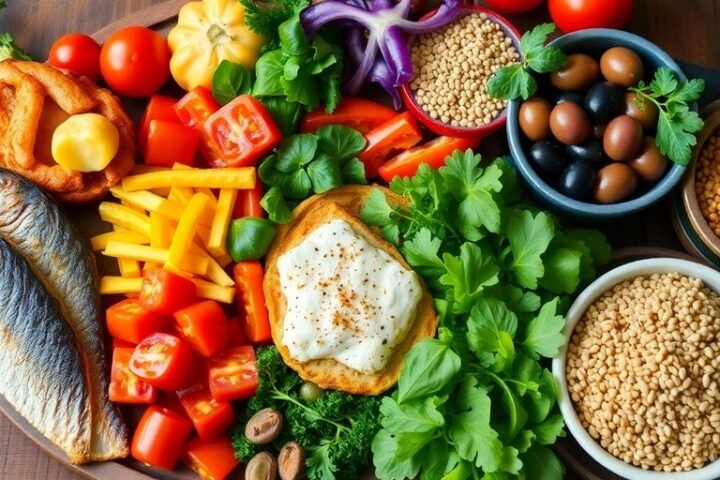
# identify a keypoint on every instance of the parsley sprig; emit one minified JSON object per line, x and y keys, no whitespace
{"x":516,"y":81}
{"x":677,"y":123}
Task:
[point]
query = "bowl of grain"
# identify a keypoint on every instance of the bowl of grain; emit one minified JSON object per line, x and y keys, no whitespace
{"x":452,"y":66}
{"x":639,"y":375}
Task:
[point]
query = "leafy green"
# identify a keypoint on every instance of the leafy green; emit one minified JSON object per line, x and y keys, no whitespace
{"x":336,"y":430}
{"x":265,"y":18}
{"x":545,"y":333}
{"x":231,"y":80}
{"x":249,"y":238}
{"x":8,"y":47}
{"x":516,"y":81}
{"x":286,"y":114}
{"x":677,"y":124}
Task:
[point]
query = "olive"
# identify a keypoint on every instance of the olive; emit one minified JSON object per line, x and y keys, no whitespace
{"x":579,"y":73}
{"x":534,"y":118}
{"x":569,"y":123}
{"x":615,"y":182}
{"x":577,"y":180}
{"x":262,"y":466}
{"x":590,"y":151}
{"x":641,"y":110}
{"x":573,"y":97}
{"x":310,"y":392}
{"x":549,"y":157}
{"x":623,"y":138}
{"x":649,"y":164}
{"x":264,"y":427}
{"x":291,"y":461}
{"x":603,"y":102}
{"x":621,"y":66}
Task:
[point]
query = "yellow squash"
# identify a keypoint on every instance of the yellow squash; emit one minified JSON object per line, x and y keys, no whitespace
{"x":208,"y":32}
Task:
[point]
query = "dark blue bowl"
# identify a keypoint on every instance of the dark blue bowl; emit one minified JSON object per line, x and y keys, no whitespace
{"x":594,"y":42}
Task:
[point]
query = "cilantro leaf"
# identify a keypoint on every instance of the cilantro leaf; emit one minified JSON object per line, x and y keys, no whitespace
{"x":547,"y":431}
{"x":387,"y":467}
{"x":266,"y":17}
{"x":353,"y":172}
{"x":421,"y":252}
{"x":544,"y":335}
{"x":529,"y":238}
{"x":324,"y":174}
{"x":491,"y":328}
{"x":296,"y":151}
{"x":534,"y":39}
{"x":468,"y":274}
{"x":269,"y":69}
{"x":419,"y":416}
{"x":511,"y":82}
{"x":429,"y":367}
{"x":10,"y":49}
{"x":378,"y":213}
{"x":562,"y":270}
{"x":543,"y":463}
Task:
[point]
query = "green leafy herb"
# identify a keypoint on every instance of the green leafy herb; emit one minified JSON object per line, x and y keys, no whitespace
{"x":249,"y":238}
{"x":265,"y":18}
{"x":8,"y":48}
{"x":677,"y":124}
{"x":231,"y":80}
{"x":286,"y":114}
{"x":516,"y":81}
{"x":336,"y":430}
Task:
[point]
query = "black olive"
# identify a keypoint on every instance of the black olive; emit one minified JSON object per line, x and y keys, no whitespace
{"x":603,"y":102}
{"x":573,"y":97}
{"x":577,"y":180}
{"x":549,"y":157}
{"x":590,"y":151}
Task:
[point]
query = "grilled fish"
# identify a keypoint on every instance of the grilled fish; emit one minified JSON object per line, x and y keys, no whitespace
{"x":34,"y":227}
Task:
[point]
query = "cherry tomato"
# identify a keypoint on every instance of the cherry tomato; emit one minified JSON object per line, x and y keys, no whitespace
{"x":166,"y":292}
{"x":399,"y":133}
{"x":135,"y":61}
{"x":162,"y":360}
{"x":77,"y":53}
{"x":361,"y":114}
{"x":128,"y":320}
{"x":160,"y":107}
{"x":572,"y":15}
{"x":251,"y":299}
{"x":196,"y":106}
{"x":233,"y":374}
{"x":204,"y":326}
{"x":160,"y":437}
{"x":248,"y":202}
{"x":169,"y":143}
{"x":211,"y":459}
{"x":125,"y":386}
{"x":209,"y":416}
{"x":513,"y":6}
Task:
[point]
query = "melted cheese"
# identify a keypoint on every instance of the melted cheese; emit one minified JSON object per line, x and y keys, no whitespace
{"x":346,"y":299}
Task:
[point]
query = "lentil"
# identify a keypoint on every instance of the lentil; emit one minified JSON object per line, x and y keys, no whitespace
{"x":707,"y":182}
{"x":646,"y":394}
{"x":452,"y":67}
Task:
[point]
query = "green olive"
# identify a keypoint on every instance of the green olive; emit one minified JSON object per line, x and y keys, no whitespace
{"x":310,"y":392}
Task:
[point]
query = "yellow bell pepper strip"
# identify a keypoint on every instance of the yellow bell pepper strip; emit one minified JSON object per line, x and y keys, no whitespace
{"x":215,"y":292}
{"x":185,"y":232}
{"x":221,"y":222}
{"x":86,"y":142}
{"x":125,"y":217}
{"x":190,"y":263}
{"x":215,"y":271}
{"x":240,"y":178}
{"x":119,"y":285}
{"x":128,"y":267}
{"x":98,"y":242}
{"x":161,"y":230}
{"x":206,"y":33}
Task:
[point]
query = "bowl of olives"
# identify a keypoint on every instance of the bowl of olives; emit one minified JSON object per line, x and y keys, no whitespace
{"x":585,"y":143}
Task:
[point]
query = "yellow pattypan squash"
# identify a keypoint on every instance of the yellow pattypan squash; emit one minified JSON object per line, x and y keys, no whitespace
{"x":208,"y":32}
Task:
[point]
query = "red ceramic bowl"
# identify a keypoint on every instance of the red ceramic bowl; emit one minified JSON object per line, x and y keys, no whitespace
{"x":441,"y":128}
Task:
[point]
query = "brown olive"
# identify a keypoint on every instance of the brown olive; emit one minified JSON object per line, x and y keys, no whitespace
{"x":614,"y":183}
{"x":641,"y":110}
{"x":623,"y":138}
{"x":534,"y":118}
{"x":262,"y":466}
{"x":569,"y":123}
{"x":621,"y":66}
{"x":264,"y":427}
{"x":579,"y":73}
{"x":649,"y":164}
{"x":291,"y":461}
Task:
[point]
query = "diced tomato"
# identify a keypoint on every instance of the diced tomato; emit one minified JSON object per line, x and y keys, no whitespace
{"x":237,"y":333}
{"x":162,"y":360}
{"x":251,"y":300}
{"x":160,"y":107}
{"x":248,"y":202}
{"x":361,"y":114}
{"x":130,"y":321}
{"x":205,"y":327}
{"x":117,"y":343}
{"x":160,"y":437}
{"x":432,"y":153}
{"x":196,"y":106}
{"x":210,"y":417}
{"x":197,"y":379}
{"x":241,"y":133}
{"x":211,"y":459}
{"x":170,"y":401}
{"x":166,"y":292}
{"x":125,"y":386}
{"x":233,"y":374}
{"x":169,"y":143}
{"x":399,"y":133}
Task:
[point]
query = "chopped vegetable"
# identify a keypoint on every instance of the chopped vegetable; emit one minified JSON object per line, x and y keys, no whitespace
{"x":185,"y":231}
{"x":195,"y":107}
{"x":250,"y":238}
{"x":110,"y":285}
{"x":211,"y":459}
{"x":160,"y":437}
{"x":248,"y":203}
{"x":399,"y":133}
{"x":168,"y":143}
{"x":215,"y":292}
{"x":221,"y":222}
{"x":232,"y":374}
{"x":265,"y":18}
{"x":190,"y":263}
{"x":358,"y":113}
{"x":209,"y":416}
{"x":125,"y":386}
{"x":238,"y":178}
{"x":162,"y":360}
{"x":249,"y":278}
{"x":159,"y":107}
{"x":99,"y":242}
{"x":128,"y":320}
{"x":204,"y":326}
{"x":165,"y":292}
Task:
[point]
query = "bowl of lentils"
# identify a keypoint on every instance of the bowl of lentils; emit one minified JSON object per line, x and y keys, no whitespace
{"x":640,"y":372}
{"x":452,"y":66}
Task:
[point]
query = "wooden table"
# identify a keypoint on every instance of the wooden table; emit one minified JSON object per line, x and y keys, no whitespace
{"x":687,"y":30}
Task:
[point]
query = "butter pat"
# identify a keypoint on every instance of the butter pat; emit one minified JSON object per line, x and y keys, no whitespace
{"x":86,"y":142}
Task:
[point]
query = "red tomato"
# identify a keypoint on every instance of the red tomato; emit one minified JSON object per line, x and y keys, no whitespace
{"x":209,"y":416}
{"x":205,"y":327}
{"x":162,"y":360}
{"x":160,"y":107}
{"x":77,"y":53}
{"x":130,"y":321}
{"x":251,"y":300}
{"x":169,"y":143}
{"x":211,"y":459}
{"x":361,"y":114}
{"x":196,"y":106}
{"x":166,"y":292}
{"x":160,"y":437}
{"x":117,"y":343}
{"x":241,"y":133}
{"x":237,"y":333}
{"x":125,"y":386}
{"x":432,"y":153}
{"x":248,"y":202}
{"x":399,"y":133}
{"x":233,"y":374}
{"x":513,"y":6}
{"x":135,"y":61}
{"x":572,"y":15}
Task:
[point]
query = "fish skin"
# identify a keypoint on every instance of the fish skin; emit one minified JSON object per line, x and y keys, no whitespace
{"x":41,"y":372}
{"x":33,"y":225}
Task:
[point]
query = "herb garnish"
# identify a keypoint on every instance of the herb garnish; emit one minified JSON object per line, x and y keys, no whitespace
{"x":677,"y":124}
{"x":516,"y":81}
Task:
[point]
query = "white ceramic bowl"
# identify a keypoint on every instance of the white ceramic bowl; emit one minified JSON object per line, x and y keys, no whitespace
{"x":628,"y":271}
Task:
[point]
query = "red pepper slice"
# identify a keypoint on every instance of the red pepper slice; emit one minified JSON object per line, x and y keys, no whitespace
{"x":248,"y":202}
{"x":399,"y":133}
{"x":160,"y":107}
{"x":251,"y":300}
{"x":128,"y":320}
{"x":358,"y":113}
{"x":169,"y":143}
{"x":204,"y":326}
